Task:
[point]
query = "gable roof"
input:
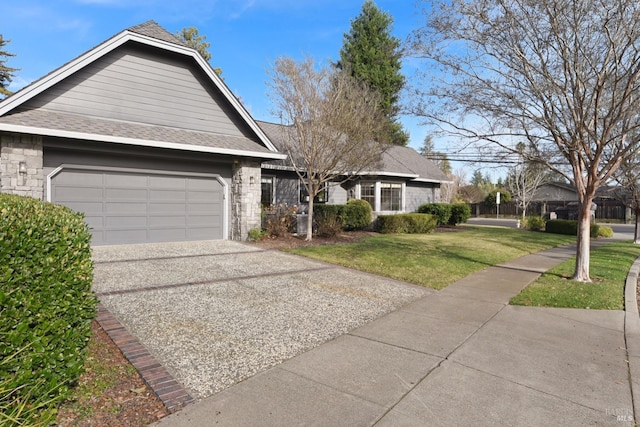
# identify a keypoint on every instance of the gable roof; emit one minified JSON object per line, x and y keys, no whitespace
{"x":397,"y":161}
{"x":60,"y":124}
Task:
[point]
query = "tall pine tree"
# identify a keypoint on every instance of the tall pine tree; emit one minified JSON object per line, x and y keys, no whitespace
{"x":372,"y":55}
{"x":6,"y":73}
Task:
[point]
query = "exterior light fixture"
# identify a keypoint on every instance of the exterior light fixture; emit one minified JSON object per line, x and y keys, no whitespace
{"x":22,"y":168}
{"x":252,"y":180}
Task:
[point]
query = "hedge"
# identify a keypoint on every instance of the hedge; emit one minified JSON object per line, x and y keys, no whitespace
{"x":412,"y":223}
{"x":569,"y":227}
{"x":460,"y":213}
{"x":357,"y":214}
{"x":446,"y":213}
{"x":47,"y":306}
{"x":441,"y":211}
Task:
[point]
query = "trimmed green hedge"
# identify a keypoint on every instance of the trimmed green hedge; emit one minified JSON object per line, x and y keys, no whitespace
{"x":440,"y":211}
{"x":446,"y":213}
{"x":412,"y":223}
{"x":357,"y":214}
{"x":331,"y":219}
{"x":460,"y":213}
{"x":46,"y":306}
{"x":568,"y":226}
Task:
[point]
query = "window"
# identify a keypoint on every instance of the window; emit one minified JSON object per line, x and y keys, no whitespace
{"x":390,"y":196}
{"x":321,"y":197}
{"x":368,"y":193}
{"x":267,"y":187}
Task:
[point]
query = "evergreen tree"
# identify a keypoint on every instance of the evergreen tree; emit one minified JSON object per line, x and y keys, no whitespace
{"x":372,"y":55}
{"x":192,"y":38}
{"x":6,"y":73}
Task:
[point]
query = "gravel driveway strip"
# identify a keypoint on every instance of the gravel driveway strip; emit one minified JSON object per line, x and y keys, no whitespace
{"x":216,"y":312}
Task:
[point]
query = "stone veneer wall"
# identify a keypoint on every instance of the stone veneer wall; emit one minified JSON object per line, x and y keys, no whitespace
{"x":15,"y":149}
{"x":245,"y":198}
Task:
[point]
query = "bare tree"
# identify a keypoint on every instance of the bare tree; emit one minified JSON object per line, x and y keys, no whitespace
{"x":628,"y":176}
{"x":523,"y":181}
{"x":332,"y":119}
{"x":561,"y":75}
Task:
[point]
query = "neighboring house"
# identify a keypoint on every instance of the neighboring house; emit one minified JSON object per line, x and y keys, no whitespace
{"x":141,"y":135}
{"x":403,"y":181}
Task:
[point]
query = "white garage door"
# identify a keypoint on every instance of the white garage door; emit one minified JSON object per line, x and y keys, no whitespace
{"x":142,"y":207}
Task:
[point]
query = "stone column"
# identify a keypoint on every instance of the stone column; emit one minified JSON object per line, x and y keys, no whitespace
{"x":245,"y":198}
{"x":21,"y":165}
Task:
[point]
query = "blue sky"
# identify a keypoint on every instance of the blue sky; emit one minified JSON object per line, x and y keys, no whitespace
{"x":245,"y":35}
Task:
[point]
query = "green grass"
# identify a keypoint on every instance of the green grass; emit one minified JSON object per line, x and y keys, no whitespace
{"x":435,"y":260}
{"x":609,"y":268}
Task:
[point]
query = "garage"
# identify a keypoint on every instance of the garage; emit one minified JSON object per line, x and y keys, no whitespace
{"x":142,"y":206}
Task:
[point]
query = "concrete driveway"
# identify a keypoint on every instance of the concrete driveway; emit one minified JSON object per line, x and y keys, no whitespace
{"x":214,"y":313}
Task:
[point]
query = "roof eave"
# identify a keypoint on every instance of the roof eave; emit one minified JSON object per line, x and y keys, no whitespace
{"x":139,"y":142}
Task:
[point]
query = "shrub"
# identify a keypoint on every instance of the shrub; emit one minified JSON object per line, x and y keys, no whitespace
{"x":441,"y":211}
{"x":328,"y":219}
{"x":605,"y":231}
{"x":280,"y":219}
{"x":257,"y":234}
{"x":569,"y":227}
{"x":535,"y":223}
{"x":357,"y":214}
{"x":47,"y":305}
{"x":414,"y":223}
{"x":460,"y":213}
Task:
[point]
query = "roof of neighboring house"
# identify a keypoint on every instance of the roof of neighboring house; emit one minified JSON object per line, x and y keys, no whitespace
{"x":60,"y":124}
{"x":397,"y":161}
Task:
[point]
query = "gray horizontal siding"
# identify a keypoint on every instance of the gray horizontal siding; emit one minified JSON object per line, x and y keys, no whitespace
{"x":145,"y":86}
{"x":420,"y":193}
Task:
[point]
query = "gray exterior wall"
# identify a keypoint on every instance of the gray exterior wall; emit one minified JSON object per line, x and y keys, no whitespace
{"x":26,"y":150}
{"x":420,"y":193}
{"x":287,"y":189}
{"x":144,"y":85}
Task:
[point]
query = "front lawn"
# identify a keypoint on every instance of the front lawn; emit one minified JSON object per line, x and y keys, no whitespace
{"x":435,"y":260}
{"x":609,"y":268}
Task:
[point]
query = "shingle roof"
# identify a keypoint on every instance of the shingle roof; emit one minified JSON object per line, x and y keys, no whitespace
{"x":398,"y":160}
{"x":154,"y":30}
{"x":43,"y":121}
{"x":407,"y":160}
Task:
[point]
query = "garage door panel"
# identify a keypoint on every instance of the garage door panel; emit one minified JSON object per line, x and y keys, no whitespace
{"x":165,"y":208}
{"x":75,"y":178}
{"x":126,"y":180}
{"x":163,"y":182}
{"x":79,"y":193}
{"x":168,"y":221}
{"x":126,"y":221}
{"x":198,"y":208}
{"x":201,"y":196}
{"x":125,"y":208}
{"x":115,"y":194}
{"x":201,"y":220}
{"x":174,"y":195}
{"x":129,"y":207}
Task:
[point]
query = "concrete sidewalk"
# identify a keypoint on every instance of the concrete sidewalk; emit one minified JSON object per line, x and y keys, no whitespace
{"x":461,"y":356}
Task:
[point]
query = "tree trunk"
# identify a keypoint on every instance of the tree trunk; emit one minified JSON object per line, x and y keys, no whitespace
{"x":581,"y":273}
{"x":310,"y":220}
{"x":636,"y":237}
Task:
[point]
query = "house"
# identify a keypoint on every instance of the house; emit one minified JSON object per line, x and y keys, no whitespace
{"x":141,"y":135}
{"x":401,"y":183}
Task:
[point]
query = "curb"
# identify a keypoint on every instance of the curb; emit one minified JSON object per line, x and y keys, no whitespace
{"x":172,"y":395}
{"x":632,"y":334}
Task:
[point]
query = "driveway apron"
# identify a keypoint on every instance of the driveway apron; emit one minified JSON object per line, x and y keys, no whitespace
{"x":214,"y":313}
